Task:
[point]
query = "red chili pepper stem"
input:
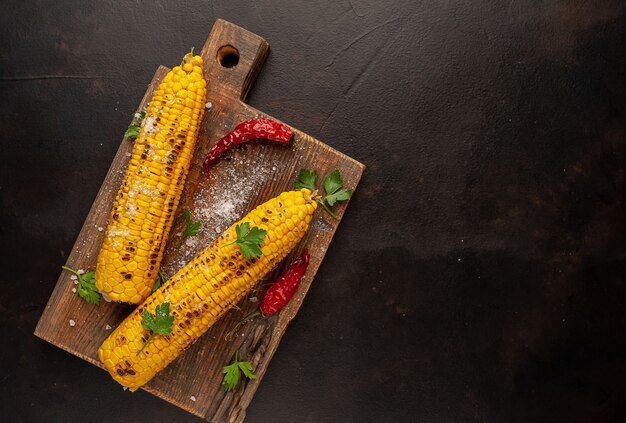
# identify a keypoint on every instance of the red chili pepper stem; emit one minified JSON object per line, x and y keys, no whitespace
{"x":256,"y":312}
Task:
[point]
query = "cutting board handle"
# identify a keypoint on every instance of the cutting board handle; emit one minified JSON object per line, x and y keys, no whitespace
{"x":232,"y":58}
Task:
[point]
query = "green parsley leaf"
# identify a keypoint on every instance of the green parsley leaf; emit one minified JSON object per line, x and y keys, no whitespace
{"x":305,"y":179}
{"x":231,"y":372}
{"x":160,"y":280}
{"x":341,"y":195}
{"x":132,"y":131}
{"x":86,"y":288}
{"x":246,"y":368}
{"x":231,"y":376}
{"x":249,"y":239}
{"x":333,"y":182}
{"x":159,"y":323}
{"x":192,"y":228}
{"x":133,"y":128}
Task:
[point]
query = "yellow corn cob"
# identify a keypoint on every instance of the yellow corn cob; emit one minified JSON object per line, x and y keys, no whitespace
{"x":210,"y":284}
{"x":144,"y":207}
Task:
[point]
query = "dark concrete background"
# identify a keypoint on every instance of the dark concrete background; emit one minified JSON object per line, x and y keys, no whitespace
{"x":479,"y":272}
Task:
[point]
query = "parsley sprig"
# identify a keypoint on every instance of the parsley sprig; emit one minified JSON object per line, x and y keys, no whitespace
{"x":159,"y":323}
{"x":333,"y":186}
{"x":133,"y":128}
{"x":86,"y":288}
{"x":249,"y":239}
{"x":231,"y":372}
{"x":192,"y":228}
{"x":160,"y":280}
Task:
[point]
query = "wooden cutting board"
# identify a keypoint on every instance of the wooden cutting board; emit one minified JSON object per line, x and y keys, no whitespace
{"x":239,"y":181}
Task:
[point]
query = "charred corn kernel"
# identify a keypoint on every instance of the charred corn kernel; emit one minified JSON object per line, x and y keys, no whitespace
{"x":145,"y":205}
{"x":203,"y":290}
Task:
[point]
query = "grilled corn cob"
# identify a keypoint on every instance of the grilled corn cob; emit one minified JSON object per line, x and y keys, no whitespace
{"x":202,"y":291}
{"x":144,"y":207}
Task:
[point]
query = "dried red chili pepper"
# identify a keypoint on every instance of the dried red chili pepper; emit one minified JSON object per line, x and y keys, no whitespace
{"x":246,"y":131}
{"x":281,"y":291}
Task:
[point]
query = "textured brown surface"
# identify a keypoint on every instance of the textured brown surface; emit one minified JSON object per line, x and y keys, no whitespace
{"x":477,"y":274}
{"x":198,"y":372}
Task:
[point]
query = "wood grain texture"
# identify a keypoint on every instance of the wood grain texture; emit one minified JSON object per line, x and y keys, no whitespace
{"x":259,"y":172}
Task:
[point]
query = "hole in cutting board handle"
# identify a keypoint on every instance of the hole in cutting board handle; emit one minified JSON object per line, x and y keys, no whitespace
{"x":228,"y":56}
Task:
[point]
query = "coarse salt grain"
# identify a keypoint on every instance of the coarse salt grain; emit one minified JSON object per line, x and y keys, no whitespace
{"x":73,"y":289}
{"x":108,"y":327}
{"x":193,"y":398}
{"x":73,"y":277}
{"x":100,"y":228}
{"x":208,"y":105}
{"x":72,"y":323}
{"x":80,"y":271}
{"x":75,"y":282}
{"x":253,"y":299}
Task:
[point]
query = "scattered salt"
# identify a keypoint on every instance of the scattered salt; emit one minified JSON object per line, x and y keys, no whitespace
{"x":100,"y":228}
{"x":80,"y":271}
{"x":149,"y":125}
{"x":72,"y":323}
{"x":105,"y":297}
{"x":253,"y":299}
{"x":73,"y":277}
{"x":128,"y":154}
{"x":108,"y":327}
{"x":73,"y":289}
{"x":320,"y":224}
{"x":208,"y":105}
{"x":76,"y":282}
{"x":220,"y":205}
{"x":193,"y":398}
{"x":125,"y":387}
{"x":191,"y":241}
